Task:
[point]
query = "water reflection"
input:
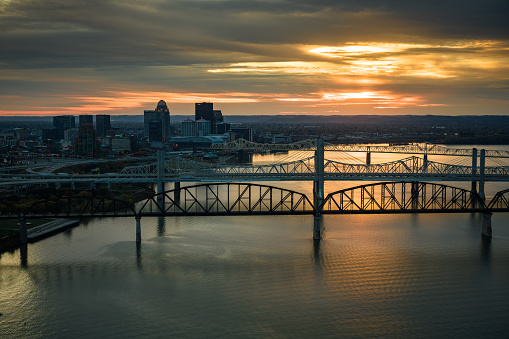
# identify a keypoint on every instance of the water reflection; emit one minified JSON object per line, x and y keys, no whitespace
{"x":23,"y":253}
{"x":486,"y":249}
{"x":161,"y":226}
{"x":317,"y":255}
{"x":139,"y":265}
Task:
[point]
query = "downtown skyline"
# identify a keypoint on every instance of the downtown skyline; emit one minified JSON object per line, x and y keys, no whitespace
{"x":254,"y":57}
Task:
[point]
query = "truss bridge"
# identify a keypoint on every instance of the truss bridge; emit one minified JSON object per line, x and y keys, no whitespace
{"x":409,"y":185}
{"x":212,"y":199}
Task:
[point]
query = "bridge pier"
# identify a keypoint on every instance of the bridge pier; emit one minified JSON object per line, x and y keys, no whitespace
{"x":176,"y":196}
{"x":23,"y":233}
{"x":486,"y":224}
{"x":318,"y":227}
{"x":138,"y":229}
{"x":481,"y":175}
{"x":368,"y":157}
{"x":474,"y":175}
{"x":318,"y":184}
{"x":160,"y":173}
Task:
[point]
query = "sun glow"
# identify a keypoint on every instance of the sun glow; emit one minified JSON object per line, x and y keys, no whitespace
{"x":357,"y":50}
{"x":376,"y":99}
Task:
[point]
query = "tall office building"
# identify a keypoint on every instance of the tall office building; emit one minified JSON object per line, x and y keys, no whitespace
{"x":86,"y":119}
{"x":62,"y":123}
{"x":205,"y":111}
{"x":162,"y":114}
{"x":102,"y":124}
{"x":155,"y":130}
{"x":86,"y":143}
{"x":218,"y":116}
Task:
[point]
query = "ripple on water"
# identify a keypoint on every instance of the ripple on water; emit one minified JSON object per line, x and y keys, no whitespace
{"x":414,"y":276}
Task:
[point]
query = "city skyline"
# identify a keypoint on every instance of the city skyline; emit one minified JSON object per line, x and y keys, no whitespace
{"x":259,"y":57}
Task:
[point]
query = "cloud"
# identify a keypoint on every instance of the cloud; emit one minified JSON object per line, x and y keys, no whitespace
{"x":56,"y":53}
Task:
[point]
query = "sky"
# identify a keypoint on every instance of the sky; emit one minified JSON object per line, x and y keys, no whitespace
{"x":254,"y":57}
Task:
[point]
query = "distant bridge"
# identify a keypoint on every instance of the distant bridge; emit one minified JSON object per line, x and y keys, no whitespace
{"x":420,"y":148}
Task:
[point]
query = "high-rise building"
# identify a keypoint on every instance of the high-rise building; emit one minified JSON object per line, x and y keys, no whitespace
{"x":155,"y":130}
{"x":86,"y":143}
{"x":205,"y":110}
{"x":86,"y":119}
{"x":162,"y":114}
{"x":102,"y":124}
{"x":62,"y":123}
{"x":218,"y":116}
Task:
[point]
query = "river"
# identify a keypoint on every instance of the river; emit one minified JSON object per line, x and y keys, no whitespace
{"x":428,"y":275}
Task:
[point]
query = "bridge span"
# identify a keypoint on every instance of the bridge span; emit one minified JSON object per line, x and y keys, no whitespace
{"x":410,"y":185}
{"x":223,"y":199}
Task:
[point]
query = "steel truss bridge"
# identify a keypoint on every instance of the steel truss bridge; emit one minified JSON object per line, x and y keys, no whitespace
{"x":255,"y":199}
{"x":408,"y":185}
{"x":175,"y":168}
{"x":420,"y":148}
{"x":213,"y":199}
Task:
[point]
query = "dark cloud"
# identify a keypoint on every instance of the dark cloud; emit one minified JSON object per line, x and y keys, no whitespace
{"x":173,"y":44}
{"x":179,"y":32}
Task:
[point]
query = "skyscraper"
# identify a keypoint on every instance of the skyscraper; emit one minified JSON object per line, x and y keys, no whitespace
{"x":86,"y":143}
{"x":62,"y":123}
{"x":162,"y":114}
{"x":218,"y":116}
{"x":155,"y":131}
{"x":102,"y":124}
{"x":86,"y":119}
{"x":205,"y":111}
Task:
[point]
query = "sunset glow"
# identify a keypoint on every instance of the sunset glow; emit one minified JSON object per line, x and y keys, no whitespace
{"x":120,"y":58}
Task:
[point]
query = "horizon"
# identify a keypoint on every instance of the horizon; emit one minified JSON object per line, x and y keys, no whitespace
{"x":261,"y":58}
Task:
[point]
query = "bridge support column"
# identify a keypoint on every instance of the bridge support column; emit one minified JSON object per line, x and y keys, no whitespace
{"x":23,"y":233}
{"x":368,"y":157}
{"x":425,"y":162}
{"x":481,"y":175}
{"x":318,"y":227}
{"x":160,"y":172}
{"x":73,"y":185}
{"x":474,"y":177}
{"x":486,"y":224}
{"x":318,"y":187}
{"x":138,"y":229}
{"x":176,"y":196}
